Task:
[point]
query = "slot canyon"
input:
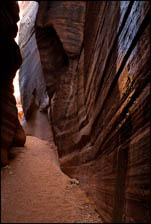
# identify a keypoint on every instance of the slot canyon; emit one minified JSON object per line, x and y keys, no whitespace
{"x":75,"y":144}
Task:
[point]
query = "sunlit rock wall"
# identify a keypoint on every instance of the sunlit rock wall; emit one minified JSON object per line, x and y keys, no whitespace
{"x":115,"y":169}
{"x":12,"y":133}
{"x":95,"y":58}
{"x":34,"y":96}
{"x":116,"y":166}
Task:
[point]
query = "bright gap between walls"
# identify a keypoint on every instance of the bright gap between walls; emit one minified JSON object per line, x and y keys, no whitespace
{"x":16,"y":79}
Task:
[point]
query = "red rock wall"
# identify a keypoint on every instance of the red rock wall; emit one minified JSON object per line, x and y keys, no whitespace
{"x":12,"y":133}
{"x":113,"y":165}
{"x":60,"y":40}
{"x":96,"y":65}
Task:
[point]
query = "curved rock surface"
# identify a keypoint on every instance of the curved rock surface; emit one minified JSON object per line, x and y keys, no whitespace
{"x":100,"y":104}
{"x":34,"y":96}
{"x":11,"y":130}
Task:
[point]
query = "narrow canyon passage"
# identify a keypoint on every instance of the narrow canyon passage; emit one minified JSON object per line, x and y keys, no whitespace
{"x":78,"y":148}
{"x":35,"y":190}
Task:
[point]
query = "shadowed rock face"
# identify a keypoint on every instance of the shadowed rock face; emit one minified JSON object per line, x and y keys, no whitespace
{"x":95,"y":67}
{"x":59,"y":37}
{"x":12,"y":133}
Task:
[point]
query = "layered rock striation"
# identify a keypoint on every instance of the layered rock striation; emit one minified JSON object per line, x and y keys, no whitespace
{"x":12,"y":133}
{"x":59,"y":40}
{"x":94,"y":59}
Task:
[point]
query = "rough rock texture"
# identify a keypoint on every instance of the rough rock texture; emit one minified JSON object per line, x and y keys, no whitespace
{"x":96,"y":66}
{"x":100,"y":99}
{"x":11,"y":130}
{"x":34,"y":96}
{"x":60,"y":37}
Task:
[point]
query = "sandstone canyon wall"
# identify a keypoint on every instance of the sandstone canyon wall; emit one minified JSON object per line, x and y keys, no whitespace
{"x":12,"y":133}
{"x":34,"y":96}
{"x":93,"y":60}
